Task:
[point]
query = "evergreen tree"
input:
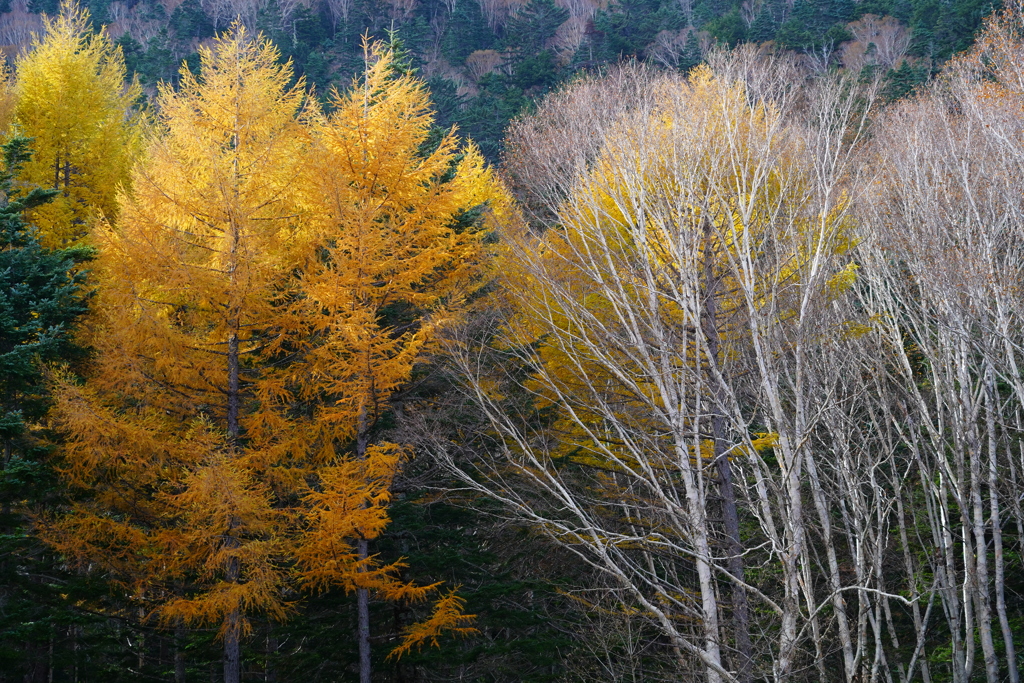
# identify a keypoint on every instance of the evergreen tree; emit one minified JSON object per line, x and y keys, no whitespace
{"x":41,"y":299}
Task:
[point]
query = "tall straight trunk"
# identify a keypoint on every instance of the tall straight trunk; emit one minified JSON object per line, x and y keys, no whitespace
{"x":807,"y":584}
{"x":270,"y":673}
{"x":233,"y":387}
{"x":363,"y":552}
{"x":789,"y":631}
{"x":730,"y":514}
{"x":233,"y":622}
{"x":141,"y":656}
{"x":363,"y":627}
{"x":997,"y":526}
{"x":912,"y":575}
{"x":980,"y":583}
{"x":834,"y":578}
{"x":706,"y":581}
{"x":233,"y":634}
{"x":179,"y":653}
{"x":740,"y":609}
{"x":73,"y":632}
{"x":959,"y":621}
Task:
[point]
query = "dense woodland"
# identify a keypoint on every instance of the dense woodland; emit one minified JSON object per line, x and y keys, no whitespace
{"x":487,"y":60}
{"x":703,"y":368}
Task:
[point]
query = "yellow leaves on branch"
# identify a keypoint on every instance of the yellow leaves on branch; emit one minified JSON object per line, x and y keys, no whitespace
{"x":73,"y":101}
{"x":315,"y":253}
{"x":447,"y":618}
{"x":351,"y":504}
{"x":696,"y":223}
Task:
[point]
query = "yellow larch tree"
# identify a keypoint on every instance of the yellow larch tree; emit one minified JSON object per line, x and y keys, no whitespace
{"x":273,"y":276}
{"x":74,"y":101}
{"x":8,"y":97}
{"x":394,"y":263}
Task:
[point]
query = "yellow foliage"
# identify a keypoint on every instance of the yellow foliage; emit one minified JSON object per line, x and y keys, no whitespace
{"x":447,"y":617}
{"x":272,"y":278}
{"x":8,"y":97}
{"x":764,"y":441}
{"x":72,"y":99}
{"x":680,"y":231}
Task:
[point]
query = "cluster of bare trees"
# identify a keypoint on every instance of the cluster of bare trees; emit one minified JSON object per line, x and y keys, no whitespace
{"x":756,"y":363}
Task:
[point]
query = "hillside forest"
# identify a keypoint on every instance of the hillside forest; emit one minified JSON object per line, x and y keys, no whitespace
{"x":703,"y":368}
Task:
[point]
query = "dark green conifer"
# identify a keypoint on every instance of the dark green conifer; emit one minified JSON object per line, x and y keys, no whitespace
{"x":42,"y":295}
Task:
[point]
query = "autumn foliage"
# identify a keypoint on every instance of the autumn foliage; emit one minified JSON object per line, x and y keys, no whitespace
{"x":73,"y":100}
{"x":273,"y":276}
{"x":740,"y":371}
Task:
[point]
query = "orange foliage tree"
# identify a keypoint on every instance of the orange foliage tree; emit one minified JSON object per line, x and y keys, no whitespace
{"x":274,"y":276}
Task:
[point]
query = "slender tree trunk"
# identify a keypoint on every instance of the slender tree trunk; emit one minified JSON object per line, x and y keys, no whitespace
{"x":74,"y":653}
{"x":912,"y":575}
{"x":233,"y":623}
{"x":233,"y":387}
{"x":363,"y":594}
{"x":740,"y":609}
{"x":233,"y":634}
{"x":996,"y":523}
{"x":179,"y":653}
{"x":980,"y":584}
{"x":835,"y":580}
{"x":807,"y":584}
{"x":730,"y":514}
{"x":950,"y":594}
{"x":363,"y":628}
{"x":270,"y":673}
{"x":141,"y":655}
{"x":232,"y":649}
{"x":795,"y":534}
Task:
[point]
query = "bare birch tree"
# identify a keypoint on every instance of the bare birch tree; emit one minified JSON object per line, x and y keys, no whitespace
{"x":943,"y":243}
{"x":665,"y":327}
{"x":763,"y":371}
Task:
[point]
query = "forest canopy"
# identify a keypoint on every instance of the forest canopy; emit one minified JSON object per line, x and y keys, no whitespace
{"x":712,"y":377}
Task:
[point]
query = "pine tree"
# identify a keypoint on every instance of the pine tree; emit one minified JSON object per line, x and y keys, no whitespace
{"x":73,"y":100}
{"x":274,"y":275}
{"x":41,"y":299}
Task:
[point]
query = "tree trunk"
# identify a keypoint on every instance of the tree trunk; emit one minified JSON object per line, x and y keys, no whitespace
{"x":997,"y":526}
{"x":232,"y":634}
{"x":232,"y":627}
{"x":179,"y":653}
{"x":740,"y":610}
{"x":362,"y":594}
{"x":363,"y":630}
{"x":270,"y":674}
{"x":835,"y":580}
{"x":976,"y":521}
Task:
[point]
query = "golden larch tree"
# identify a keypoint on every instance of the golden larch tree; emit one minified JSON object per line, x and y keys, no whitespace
{"x":391,"y":253}
{"x":245,"y":345}
{"x":74,"y":101}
